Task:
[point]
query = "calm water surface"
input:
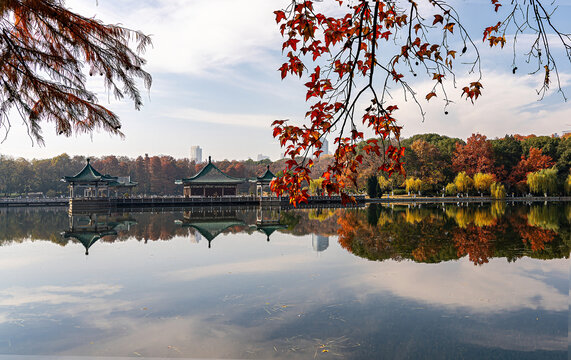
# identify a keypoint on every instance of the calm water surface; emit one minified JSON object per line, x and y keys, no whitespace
{"x":435,"y":282}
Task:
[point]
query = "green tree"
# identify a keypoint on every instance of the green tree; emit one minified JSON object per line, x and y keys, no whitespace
{"x":547,"y":144}
{"x":507,"y":152}
{"x":373,"y":187}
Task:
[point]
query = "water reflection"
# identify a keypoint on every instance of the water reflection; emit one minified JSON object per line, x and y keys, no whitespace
{"x":445,"y":233}
{"x":246,"y":298}
{"x":428,"y":234}
{"x":90,"y":227}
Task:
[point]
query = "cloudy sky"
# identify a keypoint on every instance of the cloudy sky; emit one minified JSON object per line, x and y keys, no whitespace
{"x":215,"y":84}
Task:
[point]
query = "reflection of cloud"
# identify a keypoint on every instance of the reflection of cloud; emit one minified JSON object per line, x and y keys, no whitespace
{"x":72,"y":301}
{"x":19,"y":296}
{"x":495,"y":287}
{"x":17,"y":262}
{"x":517,"y":339}
{"x":195,"y":337}
{"x":275,"y":264}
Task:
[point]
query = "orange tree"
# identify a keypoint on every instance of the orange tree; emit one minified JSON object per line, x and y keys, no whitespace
{"x":45,"y":51}
{"x":354,"y":52}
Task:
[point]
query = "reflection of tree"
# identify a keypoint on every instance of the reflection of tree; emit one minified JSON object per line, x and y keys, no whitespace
{"x":545,"y":217}
{"x":424,"y":240}
{"x":18,"y":225}
{"x":424,"y":235}
{"x":481,"y":216}
{"x":476,"y":241}
{"x":312,"y":221}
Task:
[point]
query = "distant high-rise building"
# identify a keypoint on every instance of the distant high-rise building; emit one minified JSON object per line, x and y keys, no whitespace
{"x":262,"y":157}
{"x":196,"y":154}
{"x":325,"y":146}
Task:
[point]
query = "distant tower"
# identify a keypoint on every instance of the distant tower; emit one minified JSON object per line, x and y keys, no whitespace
{"x":325,"y":146}
{"x":196,"y":154}
{"x":319,"y":243}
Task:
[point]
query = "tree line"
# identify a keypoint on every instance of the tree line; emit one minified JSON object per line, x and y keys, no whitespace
{"x":155,"y":174}
{"x":434,"y":164}
{"x":437,"y":164}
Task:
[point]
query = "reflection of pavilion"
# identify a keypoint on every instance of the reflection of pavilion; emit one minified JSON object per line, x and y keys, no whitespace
{"x":89,"y":228}
{"x":210,"y":222}
{"x":268,"y":220}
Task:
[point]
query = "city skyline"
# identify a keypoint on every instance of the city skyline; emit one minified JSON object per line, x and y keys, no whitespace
{"x":224,"y":90}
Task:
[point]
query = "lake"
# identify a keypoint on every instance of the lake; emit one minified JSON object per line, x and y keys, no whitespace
{"x":485,"y":281}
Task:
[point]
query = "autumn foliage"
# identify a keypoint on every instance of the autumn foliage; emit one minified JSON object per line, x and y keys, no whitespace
{"x":356,"y":54}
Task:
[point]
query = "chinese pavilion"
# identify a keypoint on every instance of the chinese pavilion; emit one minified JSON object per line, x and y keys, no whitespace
{"x":264,"y":181}
{"x":210,"y":182}
{"x":89,"y":183}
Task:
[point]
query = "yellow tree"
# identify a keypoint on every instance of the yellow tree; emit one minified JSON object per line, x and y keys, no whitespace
{"x":315,"y":186}
{"x":567,"y":184}
{"x":451,"y":189}
{"x":384,"y":183}
{"x":46,"y":51}
{"x":463,"y":182}
{"x":543,"y":181}
{"x":482,"y":182}
{"x":498,"y":191}
{"x":412,"y":184}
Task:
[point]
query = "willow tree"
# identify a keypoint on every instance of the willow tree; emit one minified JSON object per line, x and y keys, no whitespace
{"x":361,"y":51}
{"x":542,"y":181}
{"x":46,"y":52}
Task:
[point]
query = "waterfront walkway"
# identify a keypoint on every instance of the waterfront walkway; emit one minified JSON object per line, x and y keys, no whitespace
{"x":181,"y":202}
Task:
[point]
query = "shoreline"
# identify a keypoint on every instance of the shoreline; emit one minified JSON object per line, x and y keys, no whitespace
{"x":320,"y":201}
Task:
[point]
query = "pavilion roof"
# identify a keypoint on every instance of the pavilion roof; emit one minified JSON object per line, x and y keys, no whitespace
{"x":210,"y":174}
{"x":89,"y":174}
{"x":267,"y":177}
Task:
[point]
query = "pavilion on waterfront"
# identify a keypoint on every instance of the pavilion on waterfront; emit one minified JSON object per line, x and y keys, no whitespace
{"x":264,"y":181}
{"x":89,"y":183}
{"x":210,"y":182}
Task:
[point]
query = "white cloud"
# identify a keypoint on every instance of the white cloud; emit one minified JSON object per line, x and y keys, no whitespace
{"x":237,"y":119}
{"x":194,"y":36}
